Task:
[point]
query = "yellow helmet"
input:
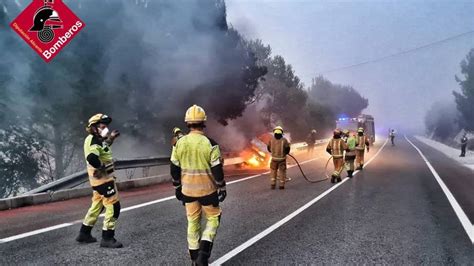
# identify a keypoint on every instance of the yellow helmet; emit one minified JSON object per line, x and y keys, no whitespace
{"x":278,"y":130}
{"x":176,"y":130}
{"x":195,"y":114}
{"x":99,"y":118}
{"x":360,"y":130}
{"x":337,"y":131}
{"x":345,"y":131}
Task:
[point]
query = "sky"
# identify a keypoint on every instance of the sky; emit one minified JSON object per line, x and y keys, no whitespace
{"x":317,"y":36}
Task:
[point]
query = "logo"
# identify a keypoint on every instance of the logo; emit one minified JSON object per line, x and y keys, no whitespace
{"x":47,"y":26}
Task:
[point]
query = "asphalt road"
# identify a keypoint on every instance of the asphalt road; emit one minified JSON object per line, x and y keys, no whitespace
{"x":394,"y":212}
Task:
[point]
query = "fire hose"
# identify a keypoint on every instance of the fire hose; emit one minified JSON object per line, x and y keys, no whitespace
{"x":305,"y":177}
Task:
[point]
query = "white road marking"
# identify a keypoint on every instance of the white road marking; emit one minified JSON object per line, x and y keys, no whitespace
{"x":54,"y":227}
{"x":468,"y":226}
{"x":278,"y":224}
{"x":35,"y":232}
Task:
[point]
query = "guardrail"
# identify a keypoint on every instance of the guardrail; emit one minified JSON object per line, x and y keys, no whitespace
{"x":81,"y":177}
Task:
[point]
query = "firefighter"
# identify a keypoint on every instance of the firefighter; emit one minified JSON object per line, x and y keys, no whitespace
{"x":177,"y":134}
{"x":100,"y":168}
{"x":350,"y":155}
{"x":279,"y":147}
{"x":464,"y":141}
{"x":198,"y":177}
{"x":336,"y":148}
{"x":392,"y":136}
{"x":311,"y":141}
{"x":362,"y":144}
{"x":345,"y":135}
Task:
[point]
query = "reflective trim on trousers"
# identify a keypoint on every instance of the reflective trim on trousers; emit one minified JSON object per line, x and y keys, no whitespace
{"x":194,"y":214}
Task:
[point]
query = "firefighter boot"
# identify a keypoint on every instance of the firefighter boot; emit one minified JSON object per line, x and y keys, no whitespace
{"x":349,"y":173}
{"x":338,"y":179}
{"x":333,"y":179}
{"x":273,"y":186}
{"x":85,"y":235}
{"x":193,"y":253}
{"x":205,"y":248}
{"x":108,"y":240}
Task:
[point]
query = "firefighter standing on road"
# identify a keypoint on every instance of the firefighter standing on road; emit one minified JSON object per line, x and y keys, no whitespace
{"x":463,"y":146}
{"x":177,"y":134}
{"x":362,"y":144}
{"x":336,"y":148}
{"x":311,"y":141}
{"x":350,"y":155}
{"x":392,"y":136}
{"x":198,"y":178}
{"x":100,"y":168}
{"x":279,"y":147}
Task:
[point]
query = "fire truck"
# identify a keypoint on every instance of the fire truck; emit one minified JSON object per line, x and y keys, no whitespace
{"x":353,"y":123}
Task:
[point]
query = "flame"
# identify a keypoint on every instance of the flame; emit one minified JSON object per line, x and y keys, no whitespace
{"x":253,"y":161}
{"x":255,"y":155}
{"x":255,"y":158}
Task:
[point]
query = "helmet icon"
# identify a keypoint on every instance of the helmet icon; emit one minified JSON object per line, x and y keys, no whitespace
{"x":45,"y":21}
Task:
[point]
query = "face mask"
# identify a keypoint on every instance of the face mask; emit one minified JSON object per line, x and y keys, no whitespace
{"x":104,"y":132}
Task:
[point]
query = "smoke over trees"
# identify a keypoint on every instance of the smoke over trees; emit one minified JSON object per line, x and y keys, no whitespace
{"x":286,"y":99}
{"x":444,"y":120}
{"x":341,"y":100}
{"x":441,"y":121}
{"x":143,"y":63}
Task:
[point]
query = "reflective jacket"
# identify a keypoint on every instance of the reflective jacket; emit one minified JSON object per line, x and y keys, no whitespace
{"x":336,"y":147}
{"x":362,"y":142}
{"x":351,"y":144}
{"x":195,"y":155}
{"x":98,"y":154}
{"x":279,"y":148}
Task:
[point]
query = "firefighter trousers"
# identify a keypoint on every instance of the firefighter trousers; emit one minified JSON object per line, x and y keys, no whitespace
{"x":278,"y":168}
{"x":338,"y":166}
{"x":194,"y":212}
{"x":359,"y":158}
{"x":110,"y":204}
{"x":349,"y":160}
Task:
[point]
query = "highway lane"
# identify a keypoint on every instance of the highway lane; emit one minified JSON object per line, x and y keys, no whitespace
{"x":21,"y":220}
{"x":393,"y":212}
{"x":374,"y":203}
{"x":34,"y":217}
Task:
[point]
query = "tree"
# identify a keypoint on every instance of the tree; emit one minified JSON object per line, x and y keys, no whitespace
{"x":342,"y":100}
{"x":441,"y":121}
{"x":465,"y":99}
{"x":19,"y":148}
{"x":19,"y":164}
{"x":287,"y":101}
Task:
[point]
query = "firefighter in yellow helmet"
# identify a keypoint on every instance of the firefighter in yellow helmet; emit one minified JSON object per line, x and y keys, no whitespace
{"x":336,"y":148}
{"x":100,"y":167}
{"x":177,"y":134}
{"x":362,"y":144}
{"x":198,"y":178}
{"x":279,"y":147}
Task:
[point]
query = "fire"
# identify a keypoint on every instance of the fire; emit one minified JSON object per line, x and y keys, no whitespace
{"x":255,"y":158}
{"x":255,"y":155}
{"x":253,"y":161}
